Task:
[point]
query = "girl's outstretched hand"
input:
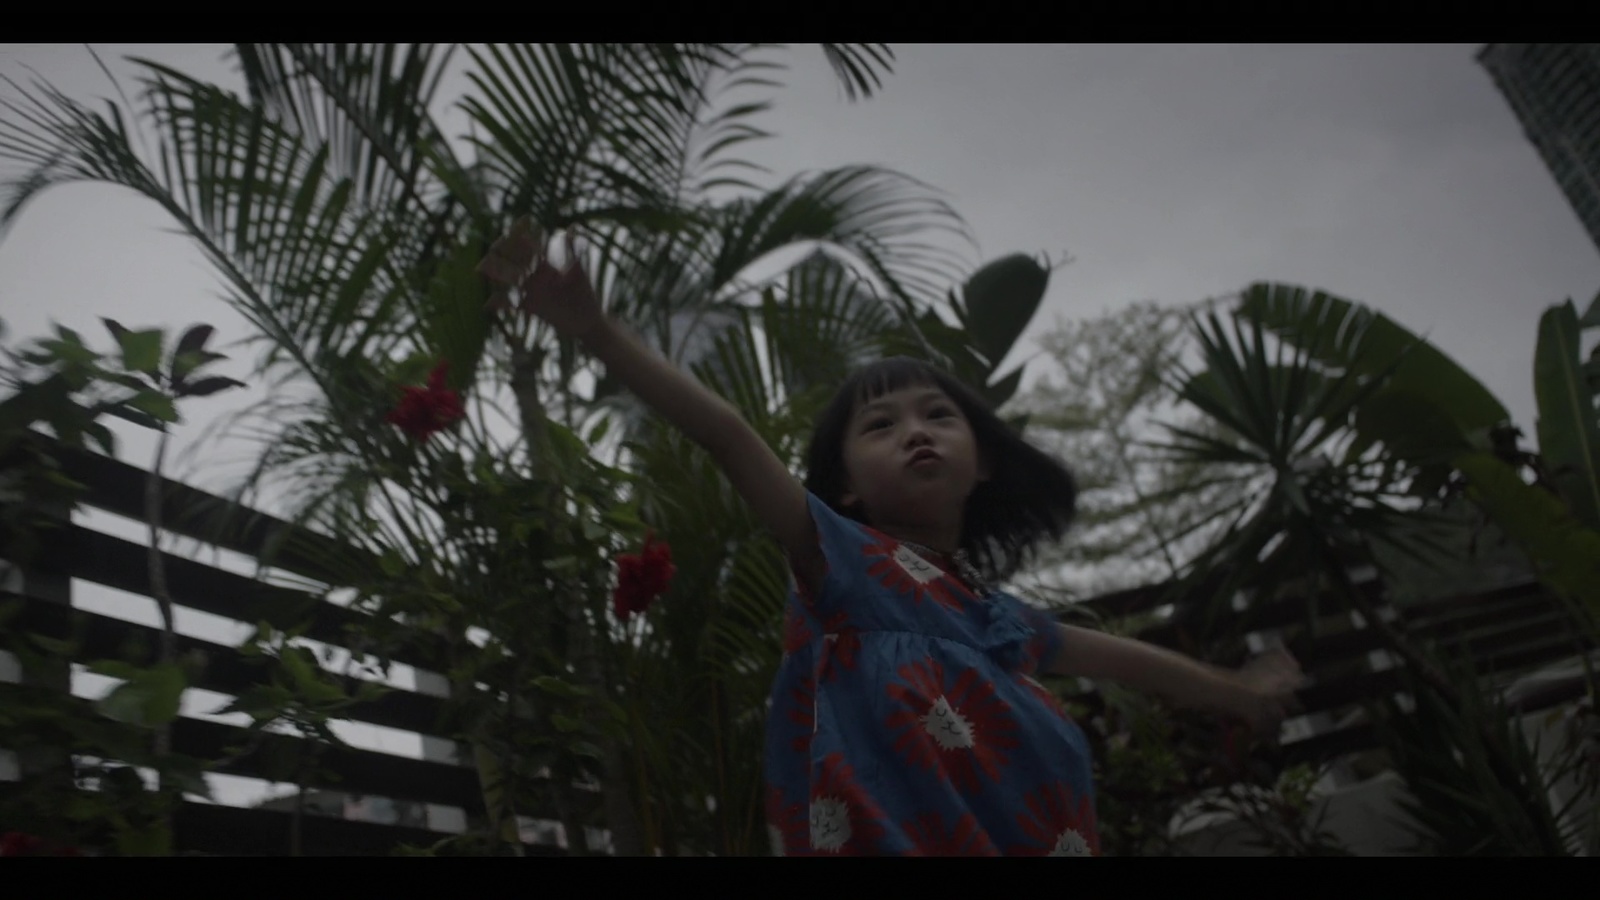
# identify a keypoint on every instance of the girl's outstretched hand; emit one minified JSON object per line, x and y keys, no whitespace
{"x":561,"y":296}
{"x":1268,"y":685}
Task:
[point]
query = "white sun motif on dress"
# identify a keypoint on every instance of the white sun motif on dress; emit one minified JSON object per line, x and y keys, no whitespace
{"x":949,"y":728}
{"x":918,"y":568}
{"x":1071,"y":843}
{"x":830,"y":823}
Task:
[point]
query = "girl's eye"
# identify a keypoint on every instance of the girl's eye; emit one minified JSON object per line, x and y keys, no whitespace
{"x":940,"y":412}
{"x":875,"y":424}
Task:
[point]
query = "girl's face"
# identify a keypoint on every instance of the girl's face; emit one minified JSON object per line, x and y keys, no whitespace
{"x":910,"y":456}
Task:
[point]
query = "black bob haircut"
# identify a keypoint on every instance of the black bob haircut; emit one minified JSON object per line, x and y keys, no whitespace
{"x":1030,"y":496}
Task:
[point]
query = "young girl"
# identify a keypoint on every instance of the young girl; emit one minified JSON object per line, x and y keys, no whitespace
{"x":905,"y":719}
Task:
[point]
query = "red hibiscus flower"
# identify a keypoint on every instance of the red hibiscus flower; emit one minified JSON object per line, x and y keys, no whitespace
{"x":642,"y":577}
{"x":423,"y":411}
{"x":1058,"y":823}
{"x":15,"y":843}
{"x":956,"y":731}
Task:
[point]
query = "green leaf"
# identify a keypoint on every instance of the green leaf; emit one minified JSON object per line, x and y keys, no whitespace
{"x":163,"y":686}
{"x":1568,"y":427}
{"x":194,"y":340}
{"x":1000,"y":300}
{"x":1342,"y":334}
{"x":566,"y":724}
{"x":143,"y":420}
{"x":115,"y":668}
{"x":1411,"y":426}
{"x":158,"y":406}
{"x":1567,"y":554}
{"x":207,"y":386}
{"x":392,"y":564}
{"x":1001,"y":391}
{"x":553,"y":685}
{"x":141,"y":351}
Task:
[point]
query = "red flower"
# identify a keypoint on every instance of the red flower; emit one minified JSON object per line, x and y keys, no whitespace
{"x":642,"y":577}
{"x":1058,"y":823}
{"x":956,"y":731}
{"x":15,"y":843}
{"x":422,"y":411}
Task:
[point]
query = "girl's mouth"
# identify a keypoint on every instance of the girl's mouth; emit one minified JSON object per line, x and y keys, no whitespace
{"x":923,"y":455}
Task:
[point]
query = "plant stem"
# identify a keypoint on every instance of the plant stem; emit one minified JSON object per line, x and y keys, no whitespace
{"x":158,"y":589}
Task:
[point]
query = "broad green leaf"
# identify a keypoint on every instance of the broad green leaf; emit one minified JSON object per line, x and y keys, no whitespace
{"x":158,"y":406}
{"x":1411,"y":425}
{"x":127,"y":702}
{"x":141,"y":351}
{"x":1345,"y":335}
{"x":163,"y":686}
{"x":1568,"y":426}
{"x":1003,"y":390}
{"x":1566,"y":553}
{"x":1000,"y":300}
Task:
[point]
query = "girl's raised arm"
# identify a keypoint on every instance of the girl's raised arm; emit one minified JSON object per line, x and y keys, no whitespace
{"x":567,"y":300}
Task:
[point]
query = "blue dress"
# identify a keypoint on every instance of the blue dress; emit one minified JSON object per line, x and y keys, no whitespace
{"x":905,"y":719}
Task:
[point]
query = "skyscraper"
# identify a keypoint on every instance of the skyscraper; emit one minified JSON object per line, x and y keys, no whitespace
{"x":1554,"y":89}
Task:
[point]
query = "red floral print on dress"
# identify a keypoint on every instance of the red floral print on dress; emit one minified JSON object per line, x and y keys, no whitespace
{"x":795,"y":632}
{"x":902,"y":570}
{"x":803,"y":713}
{"x":841,"y":643}
{"x":956,"y":730}
{"x":844,"y":821}
{"x":1049,"y":699}
{"x":930,"y":838}
{"x":788,"y":826}
{"x":1058,"y":823}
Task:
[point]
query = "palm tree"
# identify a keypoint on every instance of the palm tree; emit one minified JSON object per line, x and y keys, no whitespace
{"x":346,"y":227}
{"x":1353,"y":426}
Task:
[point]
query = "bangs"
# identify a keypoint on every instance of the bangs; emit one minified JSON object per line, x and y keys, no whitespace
{"x":890,"y":375}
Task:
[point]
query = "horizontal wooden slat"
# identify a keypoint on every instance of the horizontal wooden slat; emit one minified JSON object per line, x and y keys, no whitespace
{"x":90,"y":555}
{"x":119,"y":488}
{"x":227,"y":671}
{"x":349,"y":769}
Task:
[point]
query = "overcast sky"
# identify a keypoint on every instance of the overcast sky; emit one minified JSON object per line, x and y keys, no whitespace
{"x":1392,"y":174}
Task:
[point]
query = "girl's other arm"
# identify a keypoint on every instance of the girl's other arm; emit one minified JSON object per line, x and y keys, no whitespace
{"x":566,"y":299}
{"x":1260,"y":693}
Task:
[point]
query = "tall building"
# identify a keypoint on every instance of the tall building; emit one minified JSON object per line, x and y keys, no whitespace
{"x":1554,"y":89}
